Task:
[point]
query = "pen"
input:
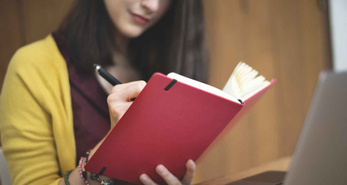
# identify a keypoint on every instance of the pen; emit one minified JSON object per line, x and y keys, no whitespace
{"x":106,"y":75}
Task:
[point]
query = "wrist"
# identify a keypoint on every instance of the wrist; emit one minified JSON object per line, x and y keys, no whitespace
{"x":74,"y":178}
{"x":91,"y":178}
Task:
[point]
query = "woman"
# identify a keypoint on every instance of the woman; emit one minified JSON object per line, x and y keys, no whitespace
{"x":53,"y":106}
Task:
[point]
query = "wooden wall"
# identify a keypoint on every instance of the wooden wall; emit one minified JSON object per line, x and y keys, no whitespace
{"x":25,"y":21}
{"x":282,"y":39}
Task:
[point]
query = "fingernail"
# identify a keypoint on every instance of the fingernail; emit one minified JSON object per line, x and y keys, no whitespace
{"x":144,"y":177}
{"x":160,"y":168}
{"x":190,"y":163}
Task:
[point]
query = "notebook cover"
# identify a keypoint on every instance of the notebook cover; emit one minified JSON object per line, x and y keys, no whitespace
{"x":162,"y":127}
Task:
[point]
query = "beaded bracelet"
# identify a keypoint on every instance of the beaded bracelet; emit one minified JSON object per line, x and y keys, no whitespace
{"x":80,"y":171}
{"x":66,"y":179}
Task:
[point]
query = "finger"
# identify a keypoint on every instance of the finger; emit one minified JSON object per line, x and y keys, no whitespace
{"x":188,"y":177}
{"x":167,"y":175}
{"x":132,"y":91}
{"x":147,"y":180}
{"x":113,"y":101}
{"x":117,"y":110}
{"x":120,"y":87}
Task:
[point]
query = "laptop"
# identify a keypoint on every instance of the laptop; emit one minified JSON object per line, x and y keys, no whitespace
{"x":320,"y":156}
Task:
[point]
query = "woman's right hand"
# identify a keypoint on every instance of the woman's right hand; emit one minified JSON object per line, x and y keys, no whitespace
{"x":118,"y":103}
{"x":120,"y":99}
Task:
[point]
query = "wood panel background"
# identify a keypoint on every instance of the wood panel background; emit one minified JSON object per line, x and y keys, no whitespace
{"x":282,"y":39}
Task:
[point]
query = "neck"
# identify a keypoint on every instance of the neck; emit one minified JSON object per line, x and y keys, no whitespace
{"x":121,"y":42}
{"x":120,"y":53}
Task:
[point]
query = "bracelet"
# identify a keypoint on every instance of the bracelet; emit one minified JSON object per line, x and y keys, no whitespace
{"x":80,"y":171}
{"x":66,"y":179}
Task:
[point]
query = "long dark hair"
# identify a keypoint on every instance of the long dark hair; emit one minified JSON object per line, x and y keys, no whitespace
{"x":175,"y":44}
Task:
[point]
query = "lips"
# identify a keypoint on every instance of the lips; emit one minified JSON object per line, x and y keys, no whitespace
{"x":139,"y":19}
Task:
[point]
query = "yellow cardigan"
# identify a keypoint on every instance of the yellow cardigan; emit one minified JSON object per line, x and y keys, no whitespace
{"x":36,"y":115}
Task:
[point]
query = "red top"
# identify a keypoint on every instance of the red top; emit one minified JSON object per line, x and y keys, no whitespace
{"x":90,"y":111}
{"x":89,"y":105}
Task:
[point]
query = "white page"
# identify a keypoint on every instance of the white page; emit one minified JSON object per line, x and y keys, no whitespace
{"x":201,"y":86}
{"x":242,"y":84}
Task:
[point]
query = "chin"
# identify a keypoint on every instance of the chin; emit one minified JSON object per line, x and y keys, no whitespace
{"x":132,"y":31}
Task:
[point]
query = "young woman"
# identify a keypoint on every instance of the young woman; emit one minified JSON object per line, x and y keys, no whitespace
{"x":55,"y":108}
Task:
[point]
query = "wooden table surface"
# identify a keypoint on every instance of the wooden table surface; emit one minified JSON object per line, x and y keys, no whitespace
{"x":277,"y":165}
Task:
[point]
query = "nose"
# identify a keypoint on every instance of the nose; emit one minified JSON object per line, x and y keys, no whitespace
{"x":150,"y":5}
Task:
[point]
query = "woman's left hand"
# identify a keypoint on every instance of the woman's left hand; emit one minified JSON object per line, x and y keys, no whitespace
{"x":169,"y":178}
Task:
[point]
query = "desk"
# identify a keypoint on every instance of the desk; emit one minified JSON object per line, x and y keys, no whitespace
{"x":277,"y":165}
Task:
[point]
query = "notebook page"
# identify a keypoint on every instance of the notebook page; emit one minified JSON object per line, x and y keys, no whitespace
{"x":201,"y":86}
{"x":243,"y":82}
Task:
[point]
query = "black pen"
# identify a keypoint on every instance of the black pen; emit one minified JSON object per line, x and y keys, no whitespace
{"x":106,"y":75}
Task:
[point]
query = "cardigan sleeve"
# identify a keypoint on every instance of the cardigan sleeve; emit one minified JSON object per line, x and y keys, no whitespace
{"x":26,"y":123}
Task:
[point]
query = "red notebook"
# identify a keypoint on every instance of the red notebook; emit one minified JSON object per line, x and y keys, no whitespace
{"x":169,"y":123}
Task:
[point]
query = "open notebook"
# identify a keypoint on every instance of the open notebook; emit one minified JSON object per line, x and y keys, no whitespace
{"x":242,"y":84}
{"x":175,"y":119}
